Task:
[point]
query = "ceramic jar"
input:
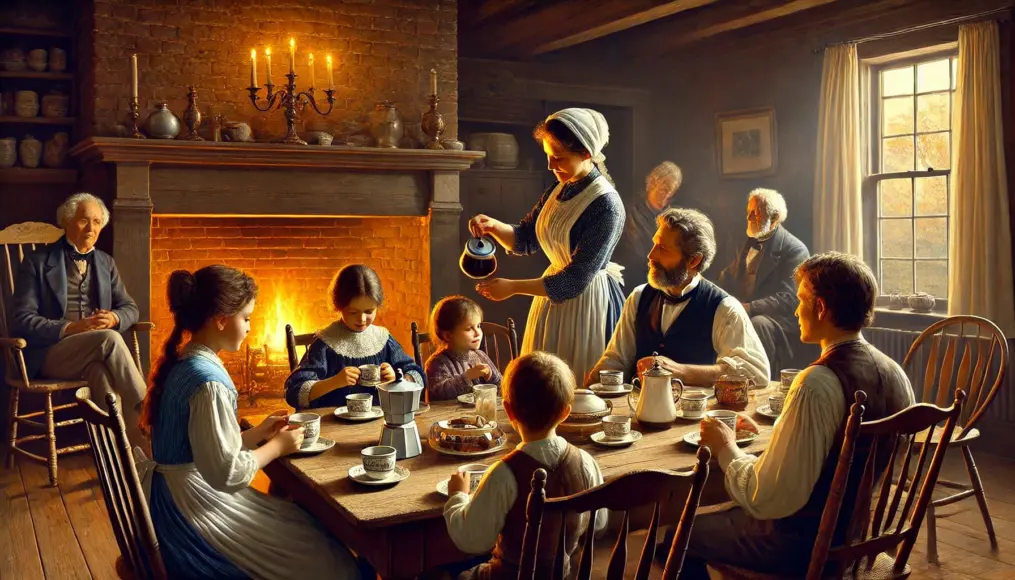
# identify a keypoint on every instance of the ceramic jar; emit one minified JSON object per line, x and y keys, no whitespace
{"x":55,"y":151}
{"x":8,"y":152}
{"x":162,"y":124}
{"x":26,"y":104}
{"x":37,"y":60}
{"x":30,"y":150}
{"x":57,"y":60}
{"x":921,"y":302}
{"x":386,"y":125}
{"x":13,"y":59}
{"x":477,"y":142}
{"x":237,"y":132}
{"x":55,"y":105}
{"x":896,"y":301}
{"x":502,"y":151}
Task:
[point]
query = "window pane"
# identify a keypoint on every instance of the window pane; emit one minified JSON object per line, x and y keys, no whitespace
{"x":896,"y":277}
{"x":897,"y":116}
{"x":931,"y":238}
{"x":933,"y":112}
{"x":932,"y":278}
{"x":932,"y":151}
{"x":932,"y":195}
{"x":897,"y":82}
{"x":896,"y":154}
{"x":897,"y":238}
{"x":933,"y":76}
{"x":896,"y":197}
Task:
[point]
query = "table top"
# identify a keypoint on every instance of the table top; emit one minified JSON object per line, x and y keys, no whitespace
{"x":416,"y":498}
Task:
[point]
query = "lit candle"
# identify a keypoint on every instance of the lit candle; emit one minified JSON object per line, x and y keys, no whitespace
{"x":433,"y":82}
{"x":331,"y":76}
{"x":267,"y":59}
{"x":133,"y":76}
{"x":292,"y":56}
{"x":253,"y":67}
{"x":311,"y":71}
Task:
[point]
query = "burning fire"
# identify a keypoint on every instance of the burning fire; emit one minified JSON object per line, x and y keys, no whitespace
{"x":281,"y":308}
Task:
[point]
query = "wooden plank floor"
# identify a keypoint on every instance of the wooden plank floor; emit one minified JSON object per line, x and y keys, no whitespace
{"x":64,"y":532}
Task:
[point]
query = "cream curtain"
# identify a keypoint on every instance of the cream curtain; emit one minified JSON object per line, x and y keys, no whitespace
{"x":980,"y":259}
{"x":838,"y":207}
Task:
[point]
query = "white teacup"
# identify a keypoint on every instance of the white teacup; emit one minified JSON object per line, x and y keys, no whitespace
{"x":359,"y":403}
{"x":616,"y":426}
{"x":776,"y":402}
{"x":369,"y":374}
{"x":786,"y":377}
{"x":612,"y":380}
{"x":474,"y":472}
{"x":727,"y":417}
{"x":693,"y":404}
{"x":311,"y":423}
{"x":378,"y":461}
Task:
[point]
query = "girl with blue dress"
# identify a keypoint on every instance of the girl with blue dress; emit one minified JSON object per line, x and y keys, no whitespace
{"x":329,"y":370}
{"x":209,"y":522}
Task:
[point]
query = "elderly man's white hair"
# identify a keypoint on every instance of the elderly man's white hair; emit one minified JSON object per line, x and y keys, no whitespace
{"x":772,"y":202}
{"x":69,"y":208}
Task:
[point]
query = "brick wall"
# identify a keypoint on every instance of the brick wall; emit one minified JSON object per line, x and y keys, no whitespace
{"x":382,"y":49}
{"x":293,"y":261}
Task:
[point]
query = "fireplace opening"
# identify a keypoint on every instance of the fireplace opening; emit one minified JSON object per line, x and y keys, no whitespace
{"x":293,"y":260}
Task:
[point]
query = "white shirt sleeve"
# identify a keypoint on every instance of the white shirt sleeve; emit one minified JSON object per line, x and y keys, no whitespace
{"x":215,"y":439}
{"x":474,"y":523}
{"x":779,"y":483}
{"x":594,"y":477}
{"x":620,"y":353}
{"x":734,"y":339}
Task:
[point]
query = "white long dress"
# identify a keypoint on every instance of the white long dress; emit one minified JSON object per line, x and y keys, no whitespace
{"x":574,"y":330}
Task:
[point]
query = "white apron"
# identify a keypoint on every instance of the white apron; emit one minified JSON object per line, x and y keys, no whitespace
{"x":574,"y":330}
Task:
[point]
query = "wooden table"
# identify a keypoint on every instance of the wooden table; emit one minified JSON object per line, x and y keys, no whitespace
{"x":400,"y":529}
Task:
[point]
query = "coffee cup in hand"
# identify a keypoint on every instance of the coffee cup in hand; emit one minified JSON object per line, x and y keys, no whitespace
{"x":311,"y":423}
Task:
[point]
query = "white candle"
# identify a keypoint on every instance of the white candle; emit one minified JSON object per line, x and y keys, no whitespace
{"x":433,"y":82}
{"x":133,"y":76}
{"x":311,"y":71}
{"x":253,"y":67}
{"x":331,"y":76}
{"x":292,"y":56}
{"x":267,"y":62}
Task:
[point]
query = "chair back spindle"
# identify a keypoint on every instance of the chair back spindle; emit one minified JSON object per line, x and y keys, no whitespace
{"x":292,"y":341}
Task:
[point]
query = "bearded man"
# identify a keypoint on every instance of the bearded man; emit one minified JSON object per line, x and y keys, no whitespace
{"x":699,"y":331}
{"x":761,"y":277}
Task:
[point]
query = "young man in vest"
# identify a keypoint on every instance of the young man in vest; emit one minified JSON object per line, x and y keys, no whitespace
{"x":779,"y":497}
{"x":699,"y":331}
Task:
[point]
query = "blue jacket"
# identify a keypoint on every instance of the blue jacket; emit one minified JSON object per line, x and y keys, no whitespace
{"x":40,"y":299}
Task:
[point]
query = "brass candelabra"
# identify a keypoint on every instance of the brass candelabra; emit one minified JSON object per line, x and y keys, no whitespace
{"x":134,"y":115}
{"x":433,"y":124}
{"x":292,"y":104}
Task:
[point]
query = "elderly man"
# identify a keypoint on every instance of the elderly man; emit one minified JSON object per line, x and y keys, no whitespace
{"x":700,"y":331}
{"x":779,"y":498}
{"x":761,"y":277}
{"x":660,"y":185}
{"x":70,"y":305}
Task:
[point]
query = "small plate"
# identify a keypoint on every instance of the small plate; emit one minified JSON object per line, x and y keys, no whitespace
{"x":442,"y":487}
{"x":467,"y":453}
{"x":602,"y":391}
{"x":357,"y":474}
{"x":322,"y":444}
{"x":680,"y":415}
{"x":710,"y":391}
{"x":470,"y":400}
{"x":766,"y":411}
{"x":694,"y":438}
{"x":343,"y":414}
{"x":600,"y":438}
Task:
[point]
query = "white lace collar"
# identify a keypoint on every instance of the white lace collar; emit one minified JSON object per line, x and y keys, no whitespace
{"x":352,"y":344}
{"x":198,"y":349}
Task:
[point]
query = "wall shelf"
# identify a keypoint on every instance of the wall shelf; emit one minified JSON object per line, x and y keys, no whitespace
{"x":35,"y":32}
{"x":26,"y":74}
{"x":37,"y":120}
{"x":37,"y":175}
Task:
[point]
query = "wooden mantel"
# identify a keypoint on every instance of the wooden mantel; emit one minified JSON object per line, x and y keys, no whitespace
{"x":163,"y":177}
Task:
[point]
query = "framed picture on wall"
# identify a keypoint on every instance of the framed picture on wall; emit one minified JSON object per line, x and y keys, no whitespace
{"x":746,"y":143}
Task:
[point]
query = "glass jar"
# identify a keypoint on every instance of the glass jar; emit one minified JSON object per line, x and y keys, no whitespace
{"x":486,"y":401}
{"x":732,"y":389}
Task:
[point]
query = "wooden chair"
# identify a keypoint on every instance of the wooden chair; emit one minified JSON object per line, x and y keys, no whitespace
{"x":292,"y":340}
{"x":121,"y":487}
{"x":876,"y":524}
{"x":980,"y":371}
{"x":500,"y":343}
{"x":17,"y":241}
{"x":422,"y":348}
{"x":629,"y":491}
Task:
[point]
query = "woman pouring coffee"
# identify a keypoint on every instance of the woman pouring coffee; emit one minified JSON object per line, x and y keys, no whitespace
{"x":577,"y":224}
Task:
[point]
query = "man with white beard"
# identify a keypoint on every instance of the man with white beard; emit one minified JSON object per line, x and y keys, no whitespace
{"x":761,"y":277}
{"x":699,"y":331}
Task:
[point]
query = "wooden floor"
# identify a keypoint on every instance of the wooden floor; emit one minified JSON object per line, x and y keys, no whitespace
{"x":64,"y":532}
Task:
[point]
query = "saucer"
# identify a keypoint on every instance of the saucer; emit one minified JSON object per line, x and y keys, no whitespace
{"x":470,"y":400}
{"x":602,"y":391}
{"x":442,"y":487}
{"x":369,"y":383}
{"x":600,"y":438}
{"x":454,"y":453}
{"x":710,"y":391}
{"x":766,"y":411}
{"x":694,"y":438}
{"x":357,"y":474}
{"x":343,"y":414}
{"x":322,"y":444}
{"x":680,"y":415}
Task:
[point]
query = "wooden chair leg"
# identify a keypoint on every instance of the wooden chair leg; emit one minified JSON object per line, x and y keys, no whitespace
{"x":13,"y":430}
{"x":51,"y":437}
{"x":981,"y":499}
{"x":932,"y":535}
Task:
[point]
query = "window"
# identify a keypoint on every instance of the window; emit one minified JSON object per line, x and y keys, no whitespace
{"x":906,"y":195}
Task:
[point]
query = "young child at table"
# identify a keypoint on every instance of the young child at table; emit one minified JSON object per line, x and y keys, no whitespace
{"x":459,"y":364}
{"x":329,"y":371}
{"x":538,"y":391}
{"x":209,"y":522}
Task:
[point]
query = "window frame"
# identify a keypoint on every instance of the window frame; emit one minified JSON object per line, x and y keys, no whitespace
{"x":871,"y":176}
